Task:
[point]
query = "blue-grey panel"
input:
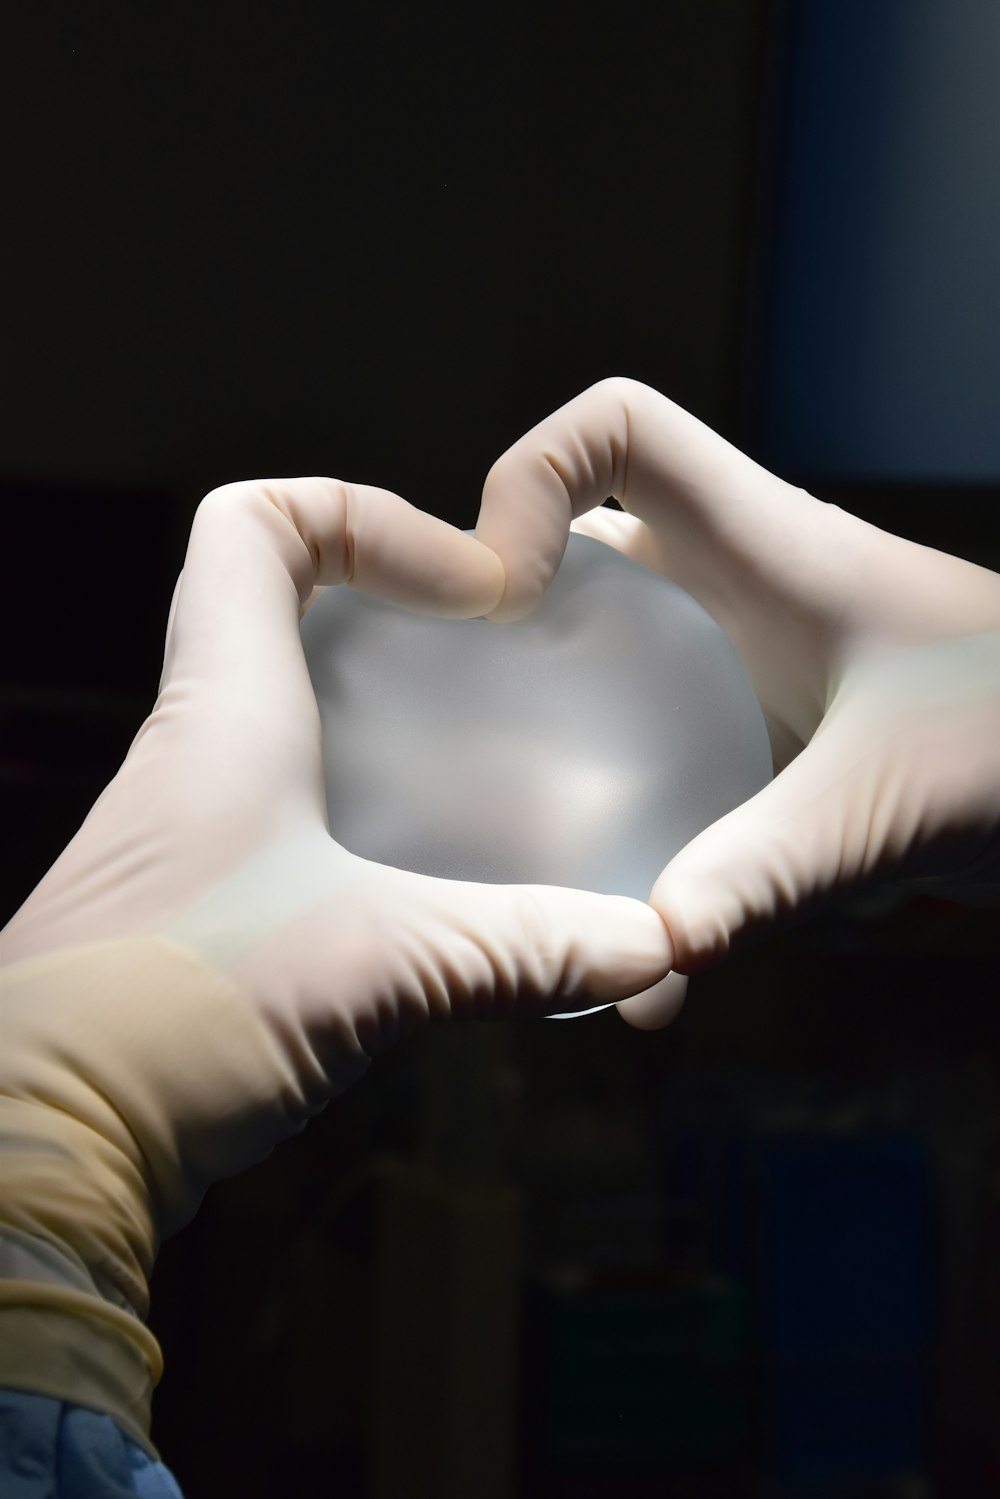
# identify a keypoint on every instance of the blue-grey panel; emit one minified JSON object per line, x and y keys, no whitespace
{"x":882,"y":357}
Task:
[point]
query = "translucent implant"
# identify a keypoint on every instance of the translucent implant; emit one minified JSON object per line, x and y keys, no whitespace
{"x":583,"y":746}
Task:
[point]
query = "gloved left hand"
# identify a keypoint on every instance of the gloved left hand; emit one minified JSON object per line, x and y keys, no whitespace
{"x":287,"y":962}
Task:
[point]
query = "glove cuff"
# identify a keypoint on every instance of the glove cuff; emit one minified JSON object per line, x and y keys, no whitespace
{"x":59,"y":1342}
{"x":132,"y":1075}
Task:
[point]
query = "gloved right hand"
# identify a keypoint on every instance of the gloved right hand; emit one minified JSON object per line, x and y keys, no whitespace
{"x":876,"y":663}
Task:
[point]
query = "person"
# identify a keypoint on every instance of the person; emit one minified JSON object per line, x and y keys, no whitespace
{"x":203,"y":968}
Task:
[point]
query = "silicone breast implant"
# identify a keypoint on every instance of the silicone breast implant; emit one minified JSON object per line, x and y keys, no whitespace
{"x":582,"y":746}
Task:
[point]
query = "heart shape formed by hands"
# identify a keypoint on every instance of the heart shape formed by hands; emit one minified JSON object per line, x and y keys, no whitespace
{"x":582,"y":746}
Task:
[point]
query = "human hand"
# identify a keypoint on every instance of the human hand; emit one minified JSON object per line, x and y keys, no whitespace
{"x":876,"y":663}
{"x":214,"y":835}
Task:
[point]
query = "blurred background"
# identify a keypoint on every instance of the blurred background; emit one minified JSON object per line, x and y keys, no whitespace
{"x":757,"y":1253}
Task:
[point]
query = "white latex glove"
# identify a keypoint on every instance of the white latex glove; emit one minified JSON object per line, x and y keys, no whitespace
{"x":876,"y":662}
{"x":214,"y":834}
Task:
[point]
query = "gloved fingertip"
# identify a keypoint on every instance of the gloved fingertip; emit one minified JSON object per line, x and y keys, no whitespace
{"x":494,"y":579}
{"x":656,"y":1007}
{"x":630,"y":949}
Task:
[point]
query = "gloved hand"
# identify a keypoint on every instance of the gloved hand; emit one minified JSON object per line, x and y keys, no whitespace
{"x":203,"y":967}
{"x":876,"y":663}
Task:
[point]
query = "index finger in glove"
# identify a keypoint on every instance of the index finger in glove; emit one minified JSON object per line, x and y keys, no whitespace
{"x":714,"y":511}
{"x":258,"y":551}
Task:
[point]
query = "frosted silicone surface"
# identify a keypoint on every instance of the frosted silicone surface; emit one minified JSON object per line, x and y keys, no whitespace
{"x":583,"y":746}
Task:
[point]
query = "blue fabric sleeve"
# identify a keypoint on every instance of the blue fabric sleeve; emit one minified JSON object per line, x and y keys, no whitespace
{"x":51,"y":1449}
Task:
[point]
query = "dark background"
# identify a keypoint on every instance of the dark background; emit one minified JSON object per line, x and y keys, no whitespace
{"x":755,"y":1253}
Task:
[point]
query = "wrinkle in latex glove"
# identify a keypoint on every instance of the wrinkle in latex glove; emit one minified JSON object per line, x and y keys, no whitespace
{"x":581,"y":746}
